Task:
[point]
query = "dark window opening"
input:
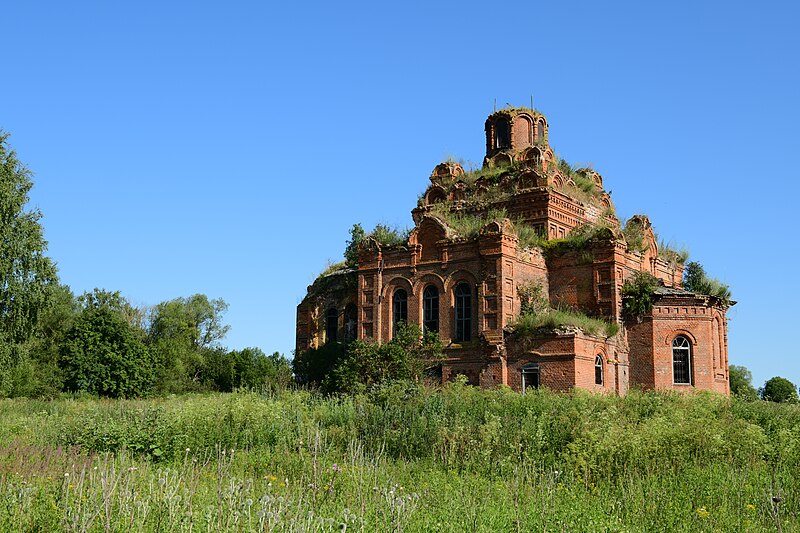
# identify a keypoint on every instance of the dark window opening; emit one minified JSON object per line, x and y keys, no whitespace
{"x":350,"y":322}
{"x":540,"y":130}
{"x":530,"y":377}
{"x":681,"y":361}
{"x":430,"y":309}
{"x":502,"y":134}
{"x":463,"y":313}
{"x":598,"y":370}
{"x":331,"y":325}
{"x":399,"y":308}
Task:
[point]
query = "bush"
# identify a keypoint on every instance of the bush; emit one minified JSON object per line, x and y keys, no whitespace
{"x":312,"y":366}
{"x":638,"y":294}
{"x":365,"y":364}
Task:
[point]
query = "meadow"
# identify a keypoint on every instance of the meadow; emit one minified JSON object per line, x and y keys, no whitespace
{"x":400,"y":458}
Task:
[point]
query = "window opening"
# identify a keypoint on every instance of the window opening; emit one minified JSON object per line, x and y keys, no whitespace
{"x":331,"y":325}
{"x":540,"y":130}
{"x":502,"y":134}
{"x":350,"y":322}
{"x":681,"y":361}
{"x":463,"y":313}
{"x":430,"y":309}
{"x":399,"y":308}
{"x":598,"y":370}
{"x":530,"y":377}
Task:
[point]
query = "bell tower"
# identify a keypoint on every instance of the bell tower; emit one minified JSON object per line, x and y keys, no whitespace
{"x":514,"y":129}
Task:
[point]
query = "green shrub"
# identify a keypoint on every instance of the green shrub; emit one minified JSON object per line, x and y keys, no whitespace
{"x":638,"y":295}
{"x":779,"y":390}
{"x":102,"y":355}
{"x":696,"y":280}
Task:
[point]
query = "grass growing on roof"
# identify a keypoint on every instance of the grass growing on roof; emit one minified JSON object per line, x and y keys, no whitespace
{"x":529,"y":325}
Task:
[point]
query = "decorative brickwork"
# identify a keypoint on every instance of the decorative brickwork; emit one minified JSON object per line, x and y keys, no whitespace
{"x":475,"y":279}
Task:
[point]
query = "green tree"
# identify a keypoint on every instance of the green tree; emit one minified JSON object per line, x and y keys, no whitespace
{"x":741,"y":381}
{"x":115,"y":302}
{"x":405,"y":357}
{"x":247,"y":368}
{"x":183,"y":333}
{"x":312,"y":366}
{"x":696,"y":280}
{"x":27,"y":276}
{"x":37,"y":373}
{"x":779,"y":390}
{"x":357,"y":235}
{"x":103,"y":355}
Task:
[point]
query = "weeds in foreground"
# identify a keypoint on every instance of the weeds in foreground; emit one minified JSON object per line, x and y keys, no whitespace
{"x":401,"y":458}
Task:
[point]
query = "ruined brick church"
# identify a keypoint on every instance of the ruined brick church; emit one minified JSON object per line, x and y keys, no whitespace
{"x":469,"y":263}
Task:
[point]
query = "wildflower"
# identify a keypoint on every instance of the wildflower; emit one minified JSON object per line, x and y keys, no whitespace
{"x":702,"y":513}
{"x":751,"y":506}
{"x":336,"y":468}
{"x":187,"y":450}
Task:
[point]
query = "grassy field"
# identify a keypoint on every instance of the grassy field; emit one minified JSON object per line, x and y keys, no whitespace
{"x":400,"y":459}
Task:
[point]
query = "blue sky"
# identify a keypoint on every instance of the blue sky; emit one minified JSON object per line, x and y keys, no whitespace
{"x":227,"y":148}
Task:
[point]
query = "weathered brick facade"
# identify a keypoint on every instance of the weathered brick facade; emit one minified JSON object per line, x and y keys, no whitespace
{"x":680,"y":345}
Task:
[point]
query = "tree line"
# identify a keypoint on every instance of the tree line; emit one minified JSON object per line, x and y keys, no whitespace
{"x":53,"y":341}
{"x":98,"y":342}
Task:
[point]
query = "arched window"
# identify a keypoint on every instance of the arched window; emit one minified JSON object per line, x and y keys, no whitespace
{"x":463,"y":313}
{"x":350,"y":322}
{"x":598,"y":370}
{"x":331,"y":325}
{"x":540,"y":130}
{"x":530,"y":377}
{"x":502,"y":134}
{"x":430,"y":309}
{"x":681,"y":361}
{"x":399,"y":308}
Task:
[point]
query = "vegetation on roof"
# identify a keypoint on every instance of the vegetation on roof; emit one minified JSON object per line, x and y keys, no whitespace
{"x":578,"y":238}
{"x":468,"y":225}
{"x":638,"y":295}
{"x":516,"y":110}
{"x":696,"y":280}
{"x":671,"y":254}
{"x":531,"y":325}
{"x":537,"y":316}
{"x":635,"y":237}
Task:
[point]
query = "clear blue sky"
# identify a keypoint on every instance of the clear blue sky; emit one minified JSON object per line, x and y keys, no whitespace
{"x":226,"y":148}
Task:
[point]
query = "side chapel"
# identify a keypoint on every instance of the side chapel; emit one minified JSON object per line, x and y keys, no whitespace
{"x":467,"y":288}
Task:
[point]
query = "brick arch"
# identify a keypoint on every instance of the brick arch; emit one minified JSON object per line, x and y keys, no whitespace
{"x":522,"y":130}
{"x":428,"y":233}
{"x":677,"y":332}
{"x":435,"y":195}
{"x":394,"y":283}
{"x":502,"y":160}
{"x":429,"y":278}
{"x":386,"y":308}
{"x":541,"y":123}
{"x":447,"y":303}
{"x":533,"y":155}
{"x":527,"y":180}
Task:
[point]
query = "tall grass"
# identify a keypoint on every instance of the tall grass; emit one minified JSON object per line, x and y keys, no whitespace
{"x":401,"y":458}
{"x":528,"y":325}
